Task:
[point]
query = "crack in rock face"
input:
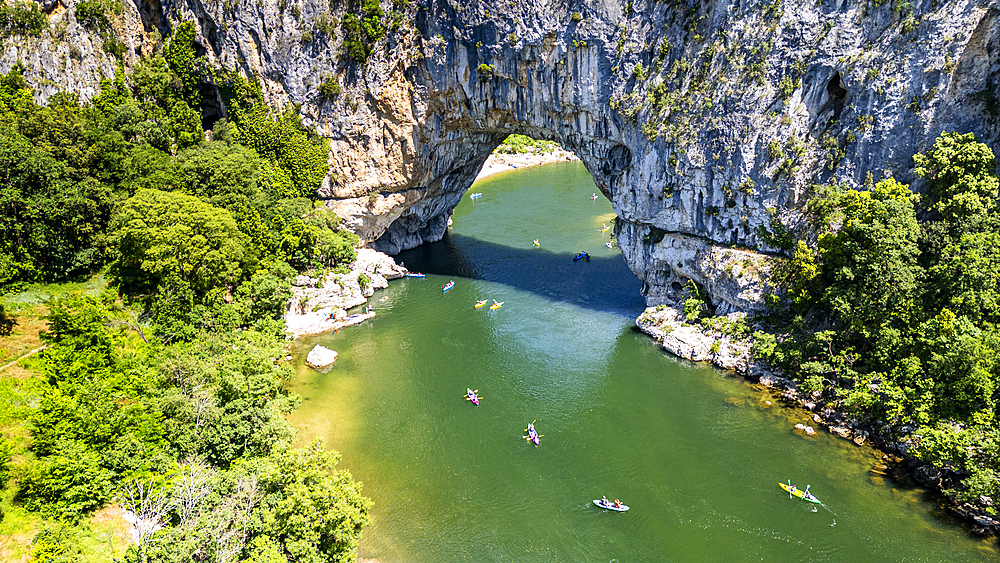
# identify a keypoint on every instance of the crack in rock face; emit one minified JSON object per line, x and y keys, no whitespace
{"x":702,"y":124}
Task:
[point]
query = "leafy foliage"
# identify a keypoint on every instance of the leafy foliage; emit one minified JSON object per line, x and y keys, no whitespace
{"x":896,"y":320}
{"x":201,"y":238}
{"x":22,"y":17}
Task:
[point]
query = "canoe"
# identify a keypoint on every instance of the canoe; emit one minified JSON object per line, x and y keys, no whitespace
{"x":496,"y":305}
{"x":611,"y":506}
{"x":475,"y":195}
{"x":800,"y":493}
{"x":480,"y":303}
{"x":414,"y":275}
{"x":470,"y":395}
{"x":447,"y":286}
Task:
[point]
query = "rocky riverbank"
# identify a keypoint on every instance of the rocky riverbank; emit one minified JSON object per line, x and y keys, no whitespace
{"x":729,"y":350}
{"x":319,"y":304}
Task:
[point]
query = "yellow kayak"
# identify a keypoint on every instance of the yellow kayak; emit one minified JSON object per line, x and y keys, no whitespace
{"x":796,"y":492}
{"x":480,"y":303}
{"x":496,"y":305}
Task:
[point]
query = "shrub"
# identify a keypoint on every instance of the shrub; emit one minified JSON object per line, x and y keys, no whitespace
{"x":6,"y":450}
{"x":639,"y":71}
{"x":93,"y":14}
{"x":485,"y":72}
{"x":786,"y":86}
{"x":329,"y":88}
{"x":22,"y":18}
{"x":577,"y":17}
{"x":353,"y":46}
{"x":774,"y":150}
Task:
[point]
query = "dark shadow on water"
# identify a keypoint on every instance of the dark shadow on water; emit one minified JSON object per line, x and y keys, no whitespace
{"x":603,"y":284}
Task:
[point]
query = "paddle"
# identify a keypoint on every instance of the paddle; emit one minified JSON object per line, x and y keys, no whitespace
{"x":789,"y":488}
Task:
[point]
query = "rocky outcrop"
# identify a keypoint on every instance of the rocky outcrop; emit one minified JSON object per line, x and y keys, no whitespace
{"x":320,"y":304}
{"x":703,"y":123}
{"x":321,"y":357}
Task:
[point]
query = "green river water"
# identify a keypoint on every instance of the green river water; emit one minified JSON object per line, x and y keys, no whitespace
{"x":694,"y":451}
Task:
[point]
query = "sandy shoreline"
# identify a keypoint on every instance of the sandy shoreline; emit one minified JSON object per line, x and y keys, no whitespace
{"x":498,"y":162}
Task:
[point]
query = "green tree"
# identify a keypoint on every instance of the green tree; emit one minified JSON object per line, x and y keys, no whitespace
{"x":180,"y":56}
{"x":312,"y":511}
{"x":960,"y":181}
{"x":158,"y":236}
{"x":870,"y":263}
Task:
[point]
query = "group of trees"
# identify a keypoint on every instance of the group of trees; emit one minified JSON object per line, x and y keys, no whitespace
{"x":893,"y":311}
{"x":130,"y":181}
{"x":166,"y":393}
{"x":190,"y":437}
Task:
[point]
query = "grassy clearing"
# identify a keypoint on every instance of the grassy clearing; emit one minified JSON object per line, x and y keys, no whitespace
{"x":105,"y":536}
{"x":23,"y":338}
{"x":40,"y":293}
{"x":26,"y":309}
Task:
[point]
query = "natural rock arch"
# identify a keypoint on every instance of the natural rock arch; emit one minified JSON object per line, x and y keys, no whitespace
{"x":694,"y":190}
{"x":673,"y":107}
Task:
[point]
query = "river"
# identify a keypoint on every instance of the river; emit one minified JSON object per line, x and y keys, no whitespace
{"x":696,"y":452}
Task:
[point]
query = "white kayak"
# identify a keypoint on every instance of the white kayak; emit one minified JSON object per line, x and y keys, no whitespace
{"x":611,"y":506}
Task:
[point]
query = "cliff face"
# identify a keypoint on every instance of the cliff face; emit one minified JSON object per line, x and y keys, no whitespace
{"x":704,"y":123}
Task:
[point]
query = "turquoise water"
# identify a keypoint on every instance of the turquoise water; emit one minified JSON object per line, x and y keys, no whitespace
{"x":696,"y":452}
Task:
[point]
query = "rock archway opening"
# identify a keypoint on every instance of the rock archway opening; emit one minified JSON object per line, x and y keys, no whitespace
{"x":459,"y":161}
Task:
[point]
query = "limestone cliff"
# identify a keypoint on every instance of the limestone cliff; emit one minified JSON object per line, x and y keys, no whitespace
{"x":703,"y":122}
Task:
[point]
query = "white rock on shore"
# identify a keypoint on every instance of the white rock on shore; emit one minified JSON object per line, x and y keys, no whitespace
{"x":666,"y":324}
{"x":320,"y":305}
{"x":320,"y":357}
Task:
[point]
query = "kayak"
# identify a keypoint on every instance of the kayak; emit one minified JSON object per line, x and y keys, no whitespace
{"x":414,"y":275}
{"x":796,"y":492}
{"x":582,"y":255}
{"x":470,"y":395}
{"x":475,"y":195}
{"x":604,"y":227}
{"x":607,"y":244}
{"x":496,"y":305}
{"x":447,"y":286}
{"x":536,"y":242}
{"x":532,"y":434}
{"x":480,"y":303}
{"x":593,"y":197}
{"x":611,"y":506}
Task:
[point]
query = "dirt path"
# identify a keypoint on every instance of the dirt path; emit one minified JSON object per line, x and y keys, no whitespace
{"x":35,"y":351}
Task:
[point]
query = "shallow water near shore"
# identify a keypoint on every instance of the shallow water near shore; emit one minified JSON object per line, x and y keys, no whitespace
{"x":693,"y":450}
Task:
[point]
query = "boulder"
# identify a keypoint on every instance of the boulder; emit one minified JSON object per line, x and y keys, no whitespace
{"x":808,"y":430}
{"x":840,"y":431}
{"x":320,"y":357}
